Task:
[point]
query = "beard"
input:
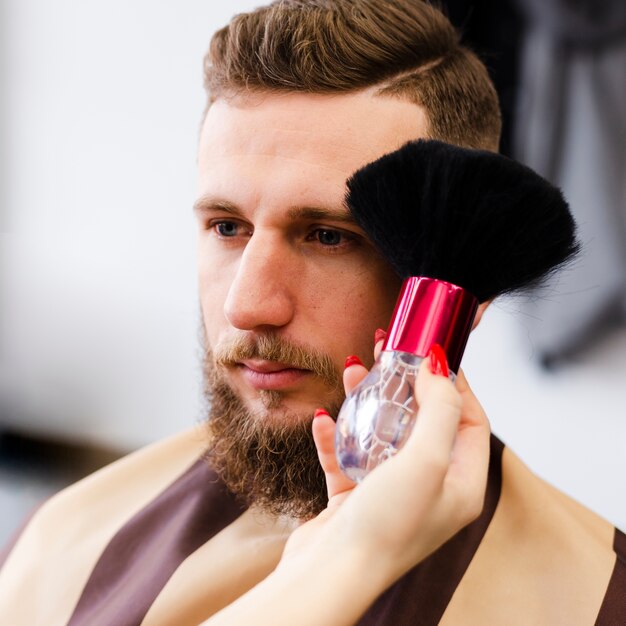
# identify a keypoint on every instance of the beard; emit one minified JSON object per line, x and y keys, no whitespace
{"x":268,"y":460}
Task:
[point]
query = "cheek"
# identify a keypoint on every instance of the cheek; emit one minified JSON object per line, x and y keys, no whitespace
{"x":213,"y":283}
{"x":367,"y":291}
{"x":350,"y":310}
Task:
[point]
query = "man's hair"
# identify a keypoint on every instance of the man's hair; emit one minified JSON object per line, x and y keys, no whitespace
{"x":402,"y":48}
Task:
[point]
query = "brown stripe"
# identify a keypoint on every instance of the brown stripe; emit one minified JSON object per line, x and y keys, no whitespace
{"x":613,"y":609}
{"x":146,"y":551}
{"x":420,"y":597}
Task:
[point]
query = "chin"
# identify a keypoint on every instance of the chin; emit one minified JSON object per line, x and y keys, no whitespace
{"x":276,"y":405}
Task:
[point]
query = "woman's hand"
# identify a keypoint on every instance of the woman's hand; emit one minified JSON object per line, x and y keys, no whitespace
{"x":412,"y":503}
{"x":335,"y":565}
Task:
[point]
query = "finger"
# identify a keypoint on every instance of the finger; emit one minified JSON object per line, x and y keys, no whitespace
{"x":352,"y":376}
{"x":378,"y":348}
{"x":466,"y":478}
{"x":473,"y":412}
{"x":470,"y":455}
{"x":379,"y":340}
{"x":437,"y":419}
{"x":324,"y":437}
{"x":461,"y":382}
{"x":469,"y":462}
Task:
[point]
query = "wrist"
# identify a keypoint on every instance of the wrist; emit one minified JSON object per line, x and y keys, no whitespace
{"x":332,"y":569}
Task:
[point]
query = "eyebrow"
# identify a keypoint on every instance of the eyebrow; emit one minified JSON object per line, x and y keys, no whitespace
{"x":204,"y":205}
{"x":320,"y":213}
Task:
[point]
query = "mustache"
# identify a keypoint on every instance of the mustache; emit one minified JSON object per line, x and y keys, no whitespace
{"x":274,"y":348}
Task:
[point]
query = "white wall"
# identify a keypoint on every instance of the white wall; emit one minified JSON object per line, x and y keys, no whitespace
{"x":102,"y":103}
{"x":98,"y":329}
{"x":569,"y":426}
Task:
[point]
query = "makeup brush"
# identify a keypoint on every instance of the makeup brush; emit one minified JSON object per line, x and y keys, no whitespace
{"x":461,"y":227}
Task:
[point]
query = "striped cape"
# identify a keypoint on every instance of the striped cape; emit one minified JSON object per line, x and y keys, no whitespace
{"x":156,"y":539}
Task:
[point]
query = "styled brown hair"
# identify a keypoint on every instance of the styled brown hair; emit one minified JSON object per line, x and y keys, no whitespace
{"x":402,"y":48}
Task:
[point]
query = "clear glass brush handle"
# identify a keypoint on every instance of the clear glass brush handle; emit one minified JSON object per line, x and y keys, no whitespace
{"x":377,"y":418}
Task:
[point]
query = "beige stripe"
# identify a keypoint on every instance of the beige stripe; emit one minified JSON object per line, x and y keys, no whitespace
{"x":44,"y":575}
{"x":220,"y":571}
{"x":544,"y":560}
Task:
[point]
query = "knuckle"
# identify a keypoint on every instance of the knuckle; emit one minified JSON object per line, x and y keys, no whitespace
{"x":445,"y":394}
{"x":471,"y":507}
{"x":474,"y":509}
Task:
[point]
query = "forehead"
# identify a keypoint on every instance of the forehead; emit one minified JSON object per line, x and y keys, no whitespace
{"x":283,"y":140}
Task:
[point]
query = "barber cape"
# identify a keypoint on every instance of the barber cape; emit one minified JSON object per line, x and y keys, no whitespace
{"x":155,"y":539}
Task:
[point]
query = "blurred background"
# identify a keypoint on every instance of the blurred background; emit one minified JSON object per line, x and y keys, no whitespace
{"x":100,"y":107}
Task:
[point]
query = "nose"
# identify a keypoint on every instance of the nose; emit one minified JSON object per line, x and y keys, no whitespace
{"x":260,"y":294}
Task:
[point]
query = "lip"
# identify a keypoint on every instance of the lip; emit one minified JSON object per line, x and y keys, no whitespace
{"x":271,"y":375}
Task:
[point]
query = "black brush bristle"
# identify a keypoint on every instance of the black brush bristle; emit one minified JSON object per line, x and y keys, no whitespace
{"x":469,"y":217}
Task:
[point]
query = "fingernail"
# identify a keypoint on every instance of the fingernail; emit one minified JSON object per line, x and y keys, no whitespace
{"x":438,"y":361}
{"x":379,"y":335}
{"x":352,"y":360}
{"x":320,"y":412}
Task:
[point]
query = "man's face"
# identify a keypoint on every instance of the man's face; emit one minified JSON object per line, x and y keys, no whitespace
{"x":279,"y":258}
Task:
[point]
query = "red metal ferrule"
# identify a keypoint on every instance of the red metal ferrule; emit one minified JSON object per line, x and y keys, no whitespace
{"x":431,"y":311}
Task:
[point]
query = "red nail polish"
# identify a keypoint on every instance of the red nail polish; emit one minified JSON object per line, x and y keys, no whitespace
{"x":438,"y":360}
{"x":352,"y":360}
{"x":379,"y":335}
{"x":320,"y":412}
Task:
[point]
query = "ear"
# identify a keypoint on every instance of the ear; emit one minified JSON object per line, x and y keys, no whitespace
{"x":479,"y":313}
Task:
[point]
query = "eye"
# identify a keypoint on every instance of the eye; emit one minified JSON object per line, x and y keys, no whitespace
{"x":329,"y":237}
{"x":227,"y":229}
{"x":333,"y":240}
